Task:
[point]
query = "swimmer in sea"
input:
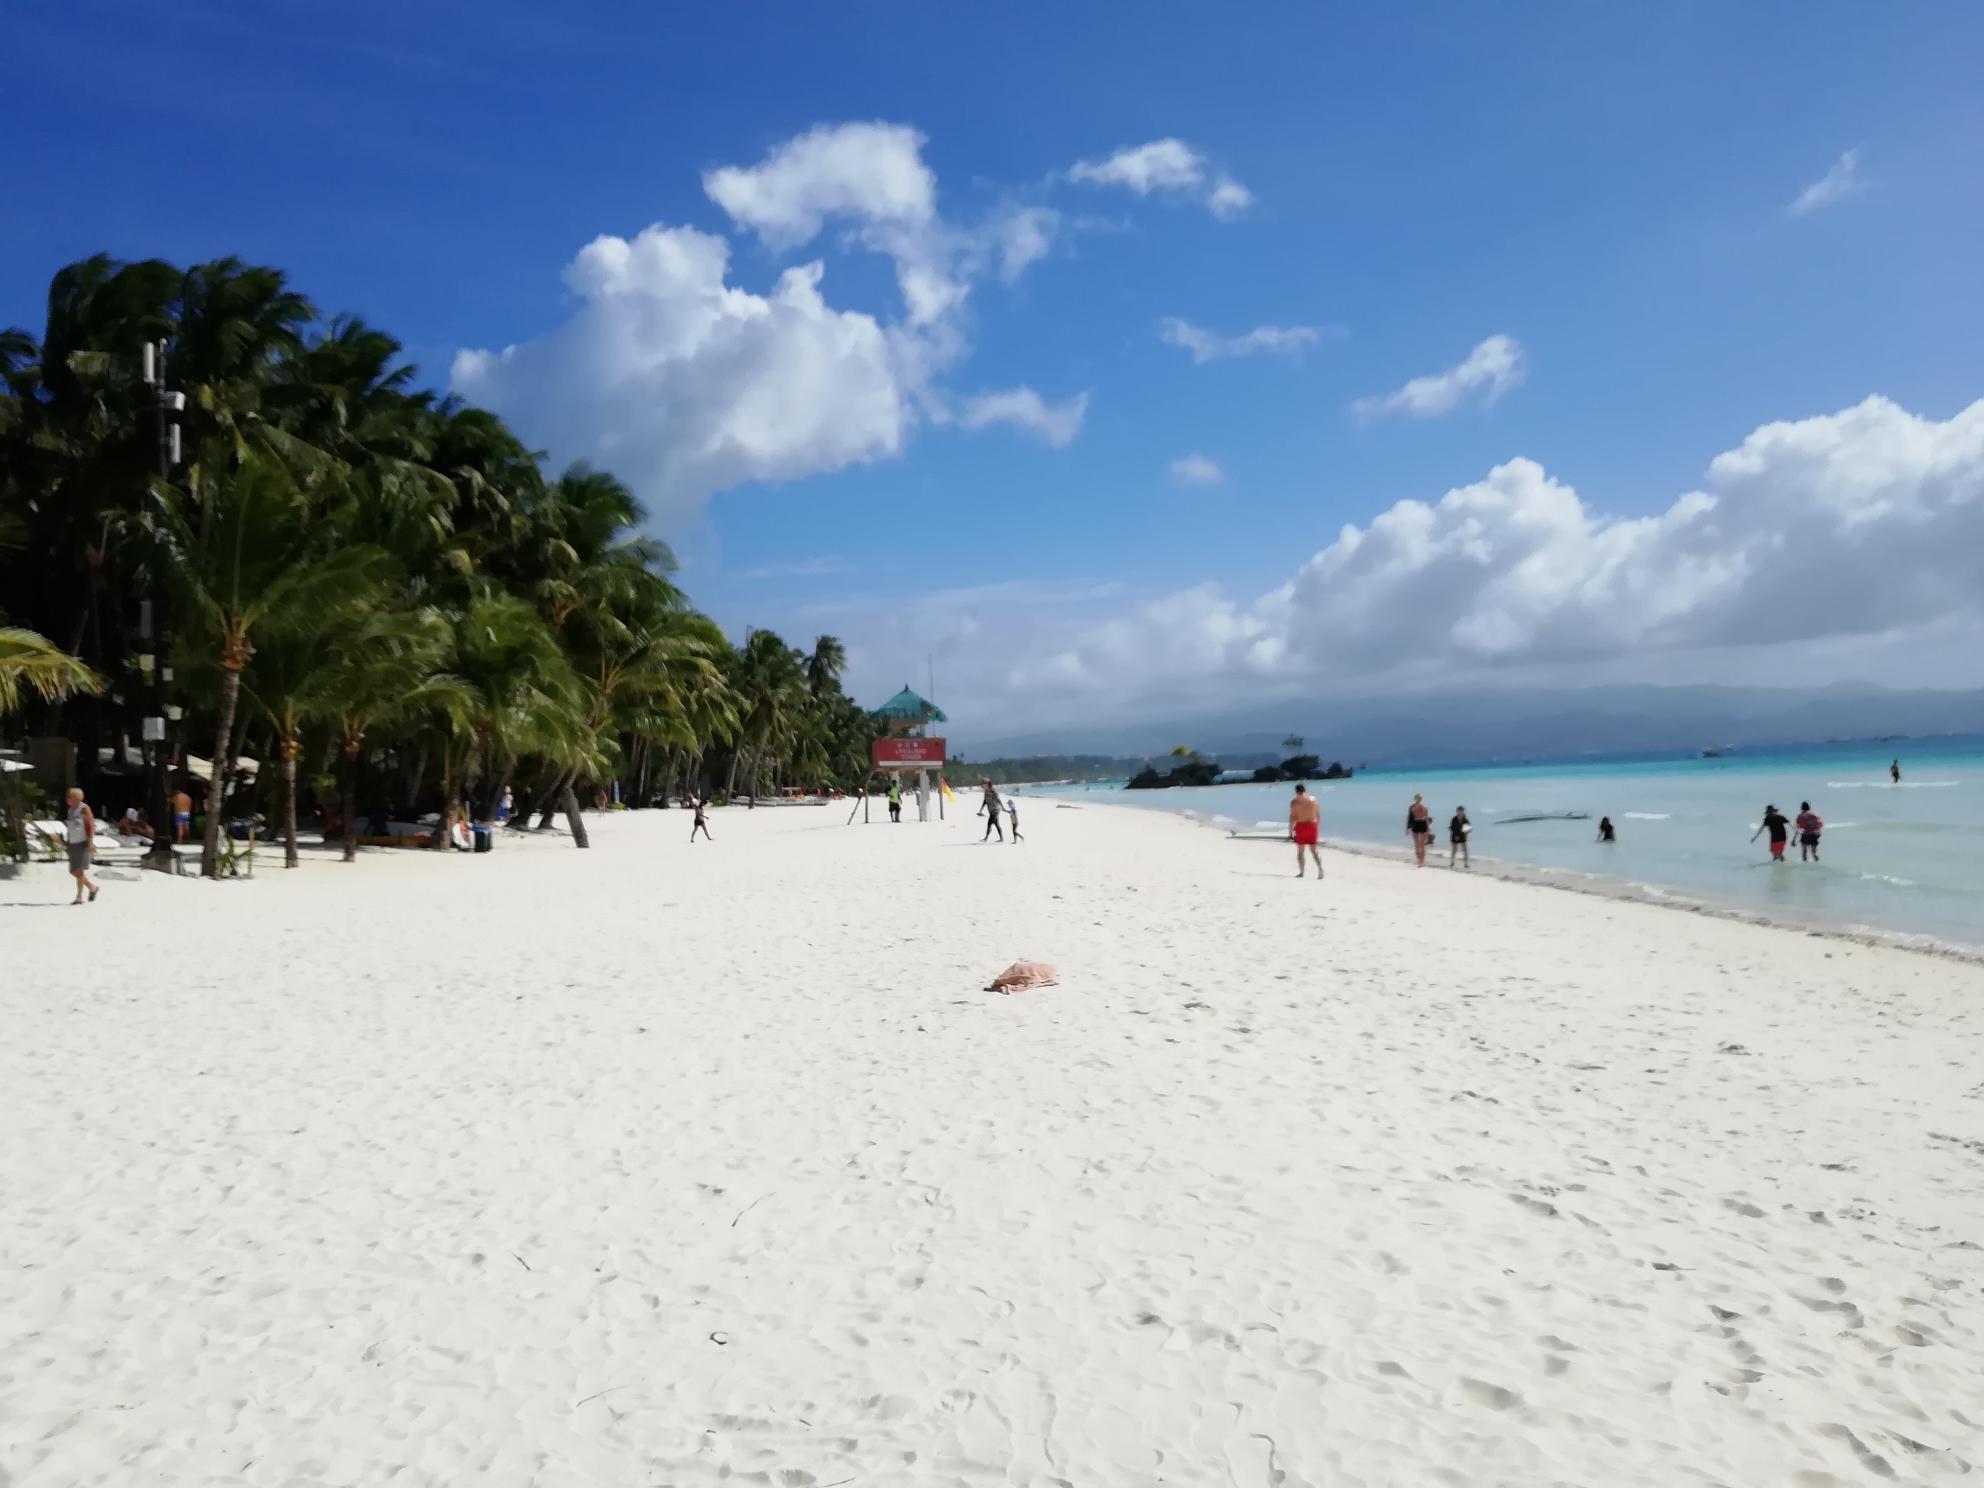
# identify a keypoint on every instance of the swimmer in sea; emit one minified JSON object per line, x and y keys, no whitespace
{"x":1809,"y":827}
{"x":1305,"y":825}
{"x":1605,"y":831}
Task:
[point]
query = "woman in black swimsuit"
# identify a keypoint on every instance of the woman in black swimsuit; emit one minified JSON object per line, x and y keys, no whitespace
{"x":1419,"y":824}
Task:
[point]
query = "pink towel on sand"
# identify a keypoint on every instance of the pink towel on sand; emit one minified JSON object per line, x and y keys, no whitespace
{"x":1023,"y":976}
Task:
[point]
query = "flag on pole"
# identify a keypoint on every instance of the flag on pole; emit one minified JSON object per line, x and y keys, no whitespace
{"x":945,"y":786}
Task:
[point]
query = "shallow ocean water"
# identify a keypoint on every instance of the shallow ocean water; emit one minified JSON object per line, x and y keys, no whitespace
{"x":1905,"y":860}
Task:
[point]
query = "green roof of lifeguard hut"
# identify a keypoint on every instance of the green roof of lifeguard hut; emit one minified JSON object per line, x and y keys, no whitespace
{"x":907,"y":707}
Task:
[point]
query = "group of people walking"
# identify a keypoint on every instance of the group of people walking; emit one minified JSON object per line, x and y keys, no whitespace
{"x":1419,"y":827}
{"x":991,"y":807}
{"x":1779,"y":826}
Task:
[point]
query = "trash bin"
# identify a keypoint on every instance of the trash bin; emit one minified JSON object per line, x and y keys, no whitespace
{"x":484,"y":838}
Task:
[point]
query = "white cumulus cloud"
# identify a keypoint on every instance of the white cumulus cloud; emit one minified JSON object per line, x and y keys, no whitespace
{"x":1491,"y":369}
{"x":1860,"y":531}
{"x":872,"y":174}
{"x":1209,"y":346}
{"x":685,"y":384}
{"x":1842,"y":181}
{"x":1056,"y":424}
{"x":1166,"y":165}
{"x":1197,"y":470}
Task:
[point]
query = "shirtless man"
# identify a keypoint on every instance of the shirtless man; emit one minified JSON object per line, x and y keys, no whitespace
{"x":182,"y":815}
{"x":1305,"y":825}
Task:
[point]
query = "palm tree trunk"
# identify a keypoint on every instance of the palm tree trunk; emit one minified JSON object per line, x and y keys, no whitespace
{"x":350,"y":802}
{"x":291,"y":748}
{"x":553,"y":798}
{"x":570,"y":798}
{"x":730,"y":782}
{"x":502,"y":784}
{"x":450,"y":797}
{"x":230,"y":692}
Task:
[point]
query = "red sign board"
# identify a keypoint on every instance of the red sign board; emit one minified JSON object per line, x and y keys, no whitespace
{"x":897,"y":752}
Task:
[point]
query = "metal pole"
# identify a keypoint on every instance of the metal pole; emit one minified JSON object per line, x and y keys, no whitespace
{"x":158,"y":728}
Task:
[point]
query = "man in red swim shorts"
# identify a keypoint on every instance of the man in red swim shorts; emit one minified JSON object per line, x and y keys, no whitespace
{"x":1305,"y":824}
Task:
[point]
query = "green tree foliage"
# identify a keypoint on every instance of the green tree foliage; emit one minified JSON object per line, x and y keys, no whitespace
{"x":367,"y":582}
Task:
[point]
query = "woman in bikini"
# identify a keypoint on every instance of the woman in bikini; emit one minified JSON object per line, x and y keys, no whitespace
{"x":1419,"y":825}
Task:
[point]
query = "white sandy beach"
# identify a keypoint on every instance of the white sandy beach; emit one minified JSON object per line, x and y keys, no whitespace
{"x":658,"y":1164}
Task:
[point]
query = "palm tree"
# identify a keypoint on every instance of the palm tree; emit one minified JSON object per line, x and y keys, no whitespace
{"x":287,"y":681}
{"x":257,"y":559}
{"x":771,"y":685}
{"x":31,"y":661}
{"x":638,"y":652}
{"x":386,"y":668}
{"x":824,"y":666}
{"x":516,"y":691}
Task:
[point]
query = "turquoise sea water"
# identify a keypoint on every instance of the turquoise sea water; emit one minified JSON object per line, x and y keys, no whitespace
{"x":1906,"y":860}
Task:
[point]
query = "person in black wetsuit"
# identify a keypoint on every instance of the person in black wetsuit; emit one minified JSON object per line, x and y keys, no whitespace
{"x":1778,"y":825}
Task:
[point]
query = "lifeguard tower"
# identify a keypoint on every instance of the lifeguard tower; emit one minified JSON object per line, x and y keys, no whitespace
{"x":909,"y":745}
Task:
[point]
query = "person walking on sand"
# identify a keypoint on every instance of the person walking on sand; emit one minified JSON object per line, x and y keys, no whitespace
{"x":1419,"y":826}
{"x":1777,"y":824}
{"x":1605,"y":832}
{"x":1894,"y":772}
{"x":1457,"y":830}
{"x":701,"y":823}
{"x":895,"y":798}
{"x":1305,"y":825}
{"x":1809,"y":827}
{"x":80,"y":829}
{"x":182,"y":815}
{"x":1013,"y":817}
{"x":989,"y":809}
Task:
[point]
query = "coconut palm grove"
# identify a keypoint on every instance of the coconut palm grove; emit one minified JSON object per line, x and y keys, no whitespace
{"x":223,"y":509}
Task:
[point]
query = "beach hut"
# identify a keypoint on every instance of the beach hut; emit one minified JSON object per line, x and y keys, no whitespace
{"x":909,"y":744}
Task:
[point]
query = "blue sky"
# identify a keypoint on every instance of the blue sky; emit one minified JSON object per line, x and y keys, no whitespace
{"x":1611,"y":192}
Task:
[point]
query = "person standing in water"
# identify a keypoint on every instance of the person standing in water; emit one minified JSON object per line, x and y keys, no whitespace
{"x":1419,"y":826}
{"x":1457,"y":829}
{"x":1809,"y":827}
{"x":1894,"y":772}
{"x":701,"y":823}
{"x":80,"y":829}
{"x":1778,"y":825}
{"x":1605,"y":832}
{"x":1305,"y":825}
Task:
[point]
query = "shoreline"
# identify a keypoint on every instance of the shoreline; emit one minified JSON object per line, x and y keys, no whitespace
{"x":1581,"y":881}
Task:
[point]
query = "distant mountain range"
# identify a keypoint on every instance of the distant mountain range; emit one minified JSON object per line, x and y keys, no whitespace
{"x":1455,"y":726}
